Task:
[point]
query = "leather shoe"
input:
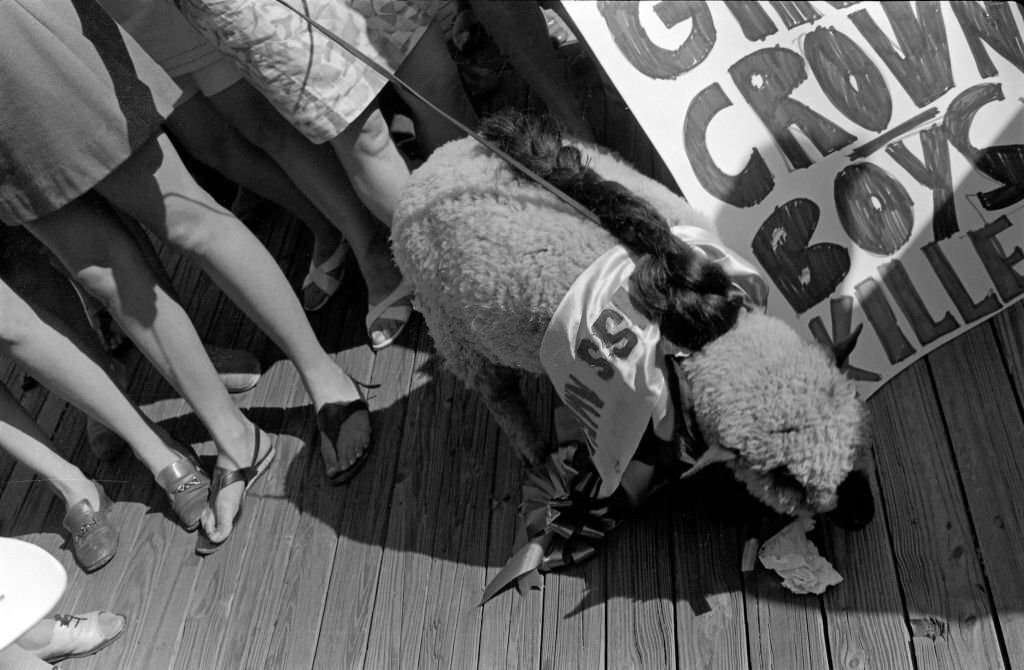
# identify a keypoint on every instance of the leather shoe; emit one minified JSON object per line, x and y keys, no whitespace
{"x":93,"y":538}
{"x":78,"y":635}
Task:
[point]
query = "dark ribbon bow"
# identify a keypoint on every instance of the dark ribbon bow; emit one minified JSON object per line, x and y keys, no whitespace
{"x":564,"y":522}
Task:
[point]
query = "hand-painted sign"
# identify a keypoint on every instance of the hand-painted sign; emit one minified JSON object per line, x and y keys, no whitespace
{"x":868,"y":155}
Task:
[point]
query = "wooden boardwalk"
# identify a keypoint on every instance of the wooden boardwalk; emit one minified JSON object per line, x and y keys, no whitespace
{"x":387,"y":571}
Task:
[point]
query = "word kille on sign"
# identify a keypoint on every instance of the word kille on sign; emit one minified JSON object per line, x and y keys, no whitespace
{"x":873,"y":206}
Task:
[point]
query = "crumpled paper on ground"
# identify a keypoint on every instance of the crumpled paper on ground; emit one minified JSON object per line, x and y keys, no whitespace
{"x":790,"y":554}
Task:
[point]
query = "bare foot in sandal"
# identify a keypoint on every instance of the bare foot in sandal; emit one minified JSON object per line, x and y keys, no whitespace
{"x":388,"y":297}
{"x":230,"y":482}
{"x":343,"y":428}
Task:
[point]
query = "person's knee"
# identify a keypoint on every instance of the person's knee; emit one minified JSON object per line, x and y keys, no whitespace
{"x":372,"y":137}
{"x":196,"y":228}
{"x":188,"y":230}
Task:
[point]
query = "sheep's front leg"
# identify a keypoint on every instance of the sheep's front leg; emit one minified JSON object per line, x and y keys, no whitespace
{"x":499,"y":387}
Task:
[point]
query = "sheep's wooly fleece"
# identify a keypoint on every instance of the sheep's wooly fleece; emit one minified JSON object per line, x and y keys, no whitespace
{"x":492,"y":254}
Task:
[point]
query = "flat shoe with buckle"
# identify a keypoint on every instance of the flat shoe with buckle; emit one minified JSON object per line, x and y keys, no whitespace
{"x":397,"y":306}
{"x":322,"y":281}
{"x":78,"y":635}
{"x":93,"y":538}
{"x":222,"y":478}
{"x":187,"y":488}
{"x":330,"y":421}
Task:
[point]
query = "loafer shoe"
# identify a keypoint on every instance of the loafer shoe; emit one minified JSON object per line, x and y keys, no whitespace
{"x":93,"y":538}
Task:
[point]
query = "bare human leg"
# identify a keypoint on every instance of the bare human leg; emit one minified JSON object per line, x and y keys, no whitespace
{"x":154,"y":188}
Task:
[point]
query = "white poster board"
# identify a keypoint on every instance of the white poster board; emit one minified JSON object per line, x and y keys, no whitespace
{"x":868,"y":156}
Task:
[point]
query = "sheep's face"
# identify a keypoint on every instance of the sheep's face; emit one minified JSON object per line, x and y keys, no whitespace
{"x":783,"y":417}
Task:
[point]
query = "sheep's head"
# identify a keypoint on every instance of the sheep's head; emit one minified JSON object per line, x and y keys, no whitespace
{"x":782,"y":415}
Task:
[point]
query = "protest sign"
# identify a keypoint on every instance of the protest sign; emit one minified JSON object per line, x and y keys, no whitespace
{"x":868,"y":156}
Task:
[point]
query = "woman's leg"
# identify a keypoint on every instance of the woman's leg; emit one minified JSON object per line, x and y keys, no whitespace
{"x":313,"y":168}
{"x":373,"y":163}
{"x":370,"y":157}
{"x":318,"y":173}
{"x":430,"y":70}
{"x":154,"y":187}
{"x":92,"y":244}
{"x":47,"y":350}
{"x":22,"y":438}
{"x":212,"y":139}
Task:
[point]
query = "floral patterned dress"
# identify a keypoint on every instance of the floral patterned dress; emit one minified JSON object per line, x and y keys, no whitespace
{"x":315,"y":83}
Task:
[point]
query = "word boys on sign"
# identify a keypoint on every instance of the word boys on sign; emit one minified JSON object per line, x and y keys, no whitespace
{"x":868,"y":155}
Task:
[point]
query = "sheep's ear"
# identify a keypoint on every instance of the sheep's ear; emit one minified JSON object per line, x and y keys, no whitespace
{"x":841,"y":349}
{"x":713,"y":454}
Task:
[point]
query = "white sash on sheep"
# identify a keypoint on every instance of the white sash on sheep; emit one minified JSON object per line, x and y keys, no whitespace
{"x":603,"y":358}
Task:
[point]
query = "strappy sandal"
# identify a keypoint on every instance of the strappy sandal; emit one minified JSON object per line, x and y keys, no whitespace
{"x":330,"y":421}
{"x":322,"y":281}
{"x":222,"y":478}
{"x":187,"y":488}
{"x":397,"y":306}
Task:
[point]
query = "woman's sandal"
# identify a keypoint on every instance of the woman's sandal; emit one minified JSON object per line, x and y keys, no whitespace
{"x":322,"y":281}
{"x":223,"y":478}
{"x":397,"y":306}
{"x":330,"y":422}
{"x":187,"y":488}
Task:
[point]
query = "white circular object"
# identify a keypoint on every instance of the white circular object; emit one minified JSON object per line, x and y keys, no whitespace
{"x":31,"y":583}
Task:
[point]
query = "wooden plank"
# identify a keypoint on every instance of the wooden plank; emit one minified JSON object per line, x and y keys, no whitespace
{"x":784,"y":630}
{"x":574,"y":634}
{"x":305,"y":585}
{"x":401,"y":610}
{"x":865,"y":613}
{"x":350,"y":524}
{"x":640,"y":613}
{"x":1009,"y":326}
{"x":511,"y":624}
{"x":510,"y":632}
{"x":298,"y":612}
{"x":706,"y":555}
{"x":950,"y":621}
{"x":985,"y":430}
{"x":273,"y":504}
{"x":452,"y":635}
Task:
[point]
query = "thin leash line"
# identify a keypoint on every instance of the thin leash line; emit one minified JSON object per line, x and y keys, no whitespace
{"x":394,"y":79}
